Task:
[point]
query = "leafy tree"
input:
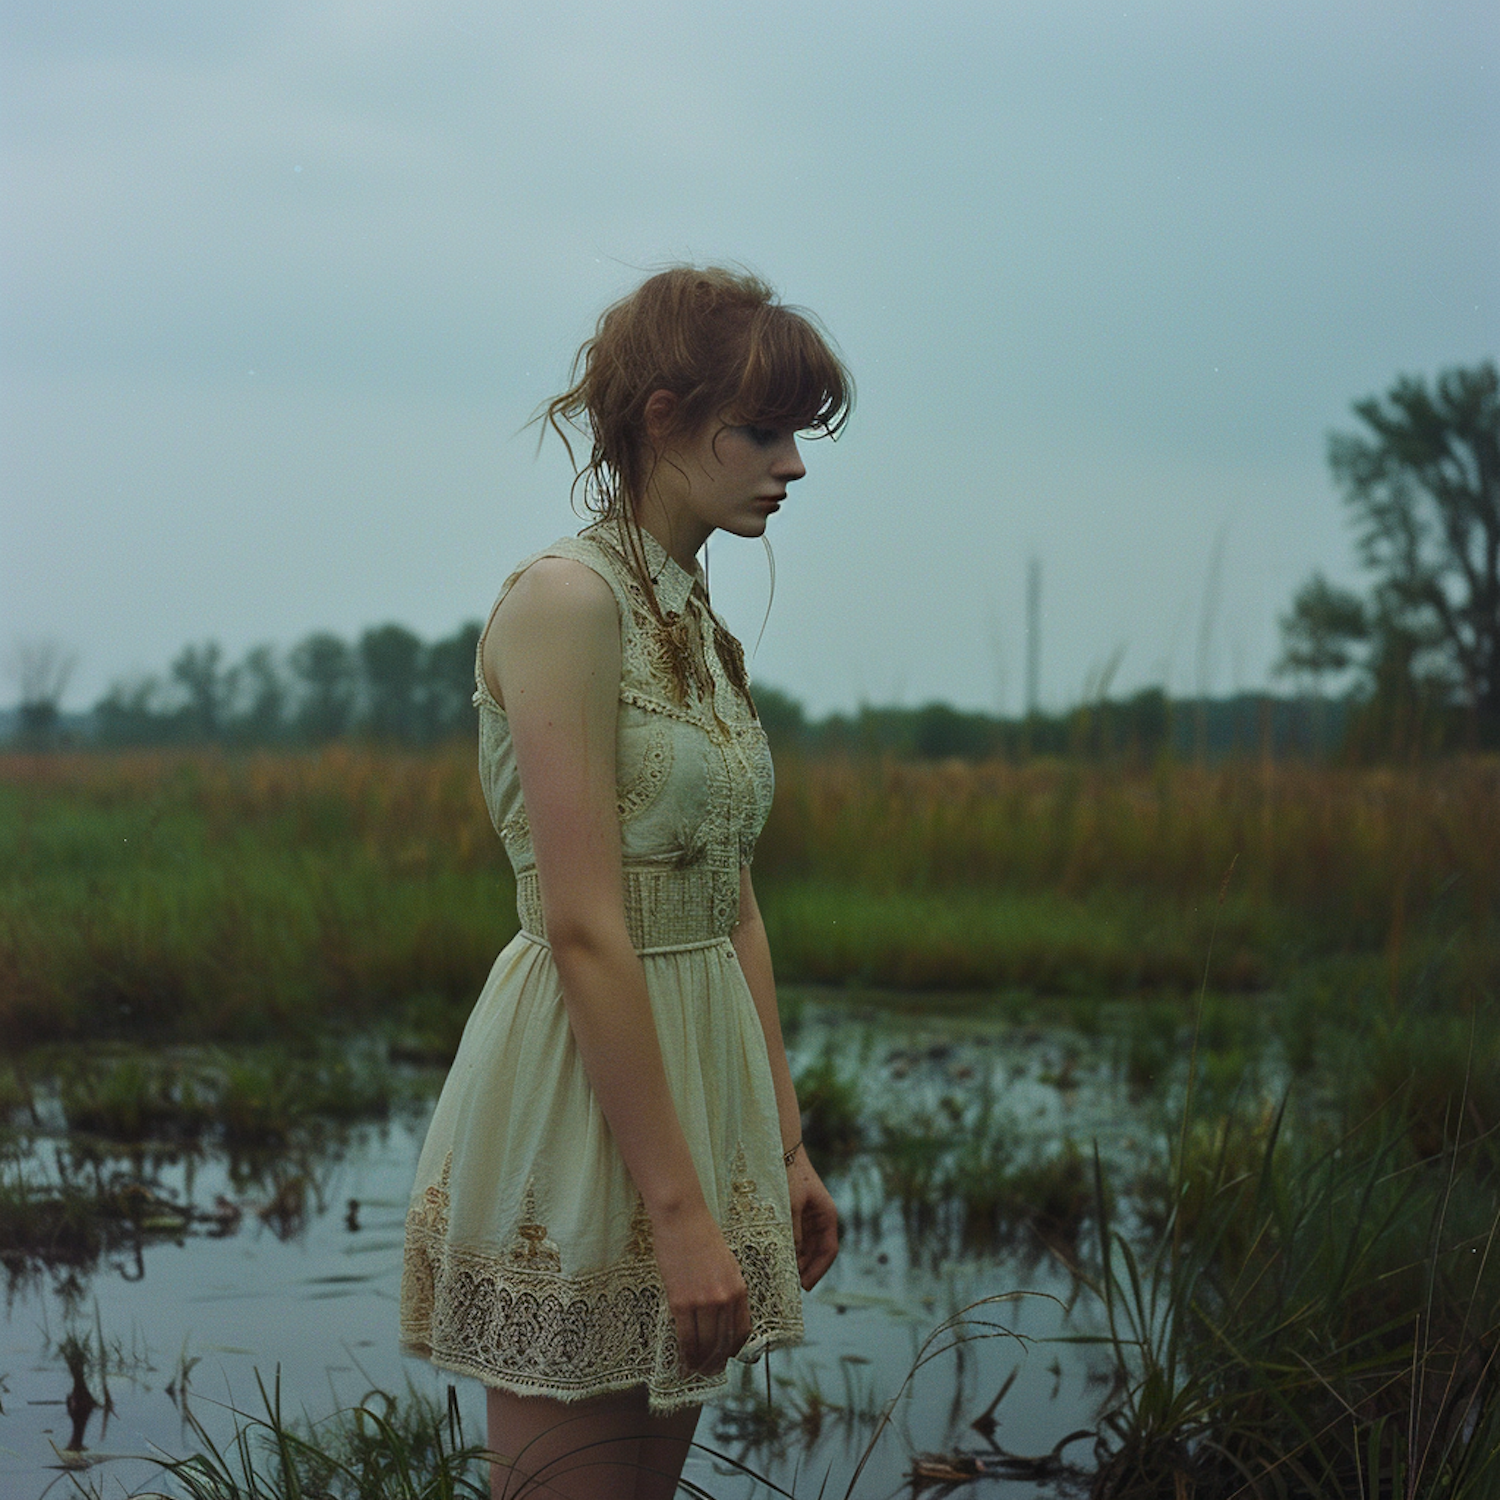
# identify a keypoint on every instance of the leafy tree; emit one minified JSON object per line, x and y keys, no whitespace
{"x":942,"y":732}
{"x":781,"y":716}
{"x":1321,"y":632}
{"x":391,"y":659}
{"x":196,"y":671}
{"x":448,"y":686}
{"x":1423,"y":485}
{"x":132,"y":713}
{"x":260,"y":697}
{"x":324,"y":666}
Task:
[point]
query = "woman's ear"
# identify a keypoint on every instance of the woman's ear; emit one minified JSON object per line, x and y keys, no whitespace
{"x":657,"y":414}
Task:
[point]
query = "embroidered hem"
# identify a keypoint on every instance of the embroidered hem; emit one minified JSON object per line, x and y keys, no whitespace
{"x":514,"y":1322}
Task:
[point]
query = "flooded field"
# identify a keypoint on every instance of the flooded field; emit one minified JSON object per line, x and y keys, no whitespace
{"x":232,"y":1271}
{"x":1294,"y":1092}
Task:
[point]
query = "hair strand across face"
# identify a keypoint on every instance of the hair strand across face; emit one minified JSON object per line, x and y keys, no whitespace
{"x":723,"y":345}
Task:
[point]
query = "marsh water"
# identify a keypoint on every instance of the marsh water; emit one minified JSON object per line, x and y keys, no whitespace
{"x":288,"y":1269}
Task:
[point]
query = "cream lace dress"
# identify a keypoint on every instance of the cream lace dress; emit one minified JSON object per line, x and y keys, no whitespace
{"x":528,"y":1258}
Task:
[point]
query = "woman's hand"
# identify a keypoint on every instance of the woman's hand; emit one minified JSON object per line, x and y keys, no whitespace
{"x":815,"y":1221}
{"x":705,"y":1289}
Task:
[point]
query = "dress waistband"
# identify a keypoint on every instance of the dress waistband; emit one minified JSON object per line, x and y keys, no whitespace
{"x":667,"y":910}
{"x":719,"y":942}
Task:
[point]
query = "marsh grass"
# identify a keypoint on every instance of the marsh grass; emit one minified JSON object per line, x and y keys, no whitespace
{"x":383,"y":1449}
{"x":1313,"y":1308}
{"x":203,"y":896}
{"x":1337,"y":844}
{"x":833,"y":1106}
{"x":192,"y":896}
{"x":96,"y":1192}
{"x":763,"y":1421}
{"x":1302,"y":1302}
{"x":966,"y":1178}
{"x":1319,"y":1326}
{"x":976,"y":938}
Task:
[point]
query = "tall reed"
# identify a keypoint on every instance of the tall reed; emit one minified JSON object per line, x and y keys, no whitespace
{"x":199,"y":894}
{"x":1341,"y":844}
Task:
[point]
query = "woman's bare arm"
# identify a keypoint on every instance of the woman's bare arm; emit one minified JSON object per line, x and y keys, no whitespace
{"x":552,"y":656}
{"x":815,"y":1222}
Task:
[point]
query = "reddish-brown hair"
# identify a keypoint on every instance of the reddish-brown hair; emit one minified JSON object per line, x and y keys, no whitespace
{"x":721,"y":343}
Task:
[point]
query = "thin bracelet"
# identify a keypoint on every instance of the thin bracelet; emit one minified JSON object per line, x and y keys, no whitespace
{"x":787,"y":1157}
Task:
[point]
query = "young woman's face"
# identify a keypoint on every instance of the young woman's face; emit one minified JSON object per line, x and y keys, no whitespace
{"x":732,"y":476}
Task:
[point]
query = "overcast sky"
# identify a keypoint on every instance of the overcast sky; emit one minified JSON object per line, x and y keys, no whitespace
{"x":282,"y":282}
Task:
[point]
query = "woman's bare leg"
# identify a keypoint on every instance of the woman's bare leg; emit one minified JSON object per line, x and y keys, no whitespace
{"x":610,"y":1448}
{"x":664,"y":1453}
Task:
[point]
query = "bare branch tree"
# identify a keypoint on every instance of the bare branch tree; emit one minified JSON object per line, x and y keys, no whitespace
{"x":41,"y":670}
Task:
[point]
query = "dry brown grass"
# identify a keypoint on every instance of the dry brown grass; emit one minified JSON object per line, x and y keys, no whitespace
{"x":1355,"y":845}
{"x":210,"y":893}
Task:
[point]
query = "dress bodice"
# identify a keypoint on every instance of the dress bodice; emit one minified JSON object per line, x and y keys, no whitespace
{"x":693,"y":771}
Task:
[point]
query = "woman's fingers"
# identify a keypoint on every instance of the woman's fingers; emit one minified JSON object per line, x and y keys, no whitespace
{"x":710,"y":1335}
{"x":824,"y":1249}
{"x":817,"y":1226}
{"x":817,"y":1258}
{"x":707,"y":1295}
{"x":733,"y":1329}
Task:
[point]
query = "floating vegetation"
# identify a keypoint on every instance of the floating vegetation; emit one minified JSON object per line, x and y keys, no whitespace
{"x":79,"y":1217}
{"x":1289,"y":1300}
{"x":760,"y":1421}
{"x":255,"y":1097}
{"x":93,"y":1191}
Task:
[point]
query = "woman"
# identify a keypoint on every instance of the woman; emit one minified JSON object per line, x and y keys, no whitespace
{"x":613,"y":1199}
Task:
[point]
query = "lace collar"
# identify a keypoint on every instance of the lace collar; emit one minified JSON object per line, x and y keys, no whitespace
{"x":673,"y":582}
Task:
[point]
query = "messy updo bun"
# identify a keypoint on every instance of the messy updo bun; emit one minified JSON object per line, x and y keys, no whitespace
{"x":719,"y":341}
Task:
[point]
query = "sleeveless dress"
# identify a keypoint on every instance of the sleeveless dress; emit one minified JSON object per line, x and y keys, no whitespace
{"x":528,"y":1259}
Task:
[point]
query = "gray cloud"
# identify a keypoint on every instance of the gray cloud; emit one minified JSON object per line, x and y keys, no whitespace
{"x":281,"y":282}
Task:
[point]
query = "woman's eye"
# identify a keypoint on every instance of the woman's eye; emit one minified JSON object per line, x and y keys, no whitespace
{"x":762,"y":437}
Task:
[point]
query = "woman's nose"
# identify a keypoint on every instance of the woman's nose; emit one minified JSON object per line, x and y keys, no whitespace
{"x":789,"y":463}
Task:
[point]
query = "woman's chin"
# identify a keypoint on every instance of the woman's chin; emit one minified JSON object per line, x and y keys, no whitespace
{"x":749,"y":525}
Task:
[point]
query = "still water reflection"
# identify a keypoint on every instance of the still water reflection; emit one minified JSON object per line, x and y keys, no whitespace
{"x":293,"y":1266}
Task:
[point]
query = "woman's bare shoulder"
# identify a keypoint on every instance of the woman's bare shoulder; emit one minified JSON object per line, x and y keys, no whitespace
{"x":557,"y":614}
{"x":560,"y":590}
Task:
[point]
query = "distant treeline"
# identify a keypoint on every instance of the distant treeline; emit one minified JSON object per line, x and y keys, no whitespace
{"x":390,"y":687}
{"x":1142,"y":727}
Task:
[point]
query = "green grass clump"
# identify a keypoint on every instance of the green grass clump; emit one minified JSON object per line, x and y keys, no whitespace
{"x":1437,"y":1074}
{"x":133,"y":1097}
{"x":76,"y":1218}
{"x":386,"y":1448}
{"x":1309,"y":1304}
{"x":1310,"y":1321}
{"x":833,"y":1106}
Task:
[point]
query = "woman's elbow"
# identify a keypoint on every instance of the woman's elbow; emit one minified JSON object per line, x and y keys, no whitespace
{"x":585,"y":938}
